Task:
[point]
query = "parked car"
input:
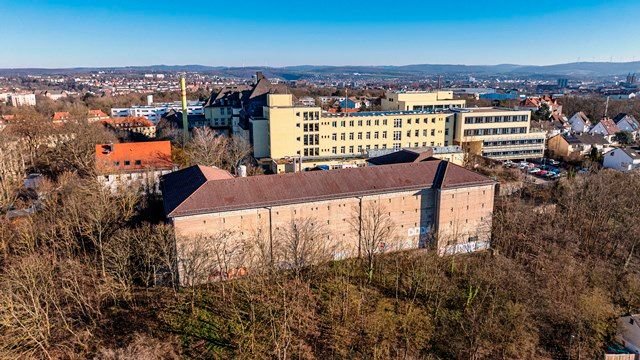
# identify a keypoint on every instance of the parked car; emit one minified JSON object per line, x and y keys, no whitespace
{"x":553,"y":162}
{"x":542,"y":173}
{"x":534,"y":170}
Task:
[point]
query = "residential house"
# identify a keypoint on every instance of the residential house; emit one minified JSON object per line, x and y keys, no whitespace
{"x":139,"y":164}
{"x":576,"y":144}
{"x":622,"y":159}
{"x":61,"y":116}
{"x":55,"y":94}
{"x":628,"y":123}
{"x":534,"y":104}
{"x":131,"y":126}
{"x":580,"y":123}
{"x":96,"y":115}
{"x":607,"y":128}
{"x":307,"y":101}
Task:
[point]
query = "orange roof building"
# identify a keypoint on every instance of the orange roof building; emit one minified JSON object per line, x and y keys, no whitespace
{"x":96,"y":115}
{"x":61,"y":116}
{"x":133,"y":157}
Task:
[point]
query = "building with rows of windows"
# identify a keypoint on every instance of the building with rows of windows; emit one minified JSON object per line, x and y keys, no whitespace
{"x":497,"y":133}
{"x":420,"y":101}
{"x":288,"y":136}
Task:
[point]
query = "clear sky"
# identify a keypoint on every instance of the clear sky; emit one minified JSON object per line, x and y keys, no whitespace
{"x":66,"y":33}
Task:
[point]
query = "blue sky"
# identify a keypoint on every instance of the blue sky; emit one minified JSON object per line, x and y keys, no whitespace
{"x":69,"y":33}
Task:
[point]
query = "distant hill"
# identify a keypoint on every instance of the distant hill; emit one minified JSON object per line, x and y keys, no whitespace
{"x":577,"y":69}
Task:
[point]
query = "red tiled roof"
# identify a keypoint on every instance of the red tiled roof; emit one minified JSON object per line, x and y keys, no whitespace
{"x":61,"y":115}
{"x":128,"y":122}
{"x":133,"y":156}
{"x":97,"y":113}
{"x":210,"y":196}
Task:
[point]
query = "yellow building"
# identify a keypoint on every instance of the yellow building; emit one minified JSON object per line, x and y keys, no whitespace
{"x":498,"y":133}
{"x":308,"y":137}
{"x":420,"y":101}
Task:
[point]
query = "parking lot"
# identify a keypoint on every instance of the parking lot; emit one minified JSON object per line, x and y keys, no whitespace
{"x":539,"y":171}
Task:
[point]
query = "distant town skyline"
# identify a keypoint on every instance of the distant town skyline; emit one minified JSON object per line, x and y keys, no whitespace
{"x":73,"y":33}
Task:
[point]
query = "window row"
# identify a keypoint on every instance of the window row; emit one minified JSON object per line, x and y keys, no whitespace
{"x":309,"y":115}
{"x":513,"y":142}
{"x":495,"y":131}
{"x":494,"y":119}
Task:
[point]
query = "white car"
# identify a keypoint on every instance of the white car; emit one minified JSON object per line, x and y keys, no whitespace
{"x":534,"y":170}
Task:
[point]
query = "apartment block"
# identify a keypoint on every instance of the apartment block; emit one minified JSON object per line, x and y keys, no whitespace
{"x":497,"y":133}
{"x":22,"y":99}
{"x":432,"y":205}
{"x":420,"y":101}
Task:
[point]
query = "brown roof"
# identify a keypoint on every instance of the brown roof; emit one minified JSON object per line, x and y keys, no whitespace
{"x":210,"y":196}
{"x":609,"y":126}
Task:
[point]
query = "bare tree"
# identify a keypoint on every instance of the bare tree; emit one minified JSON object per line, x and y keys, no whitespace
{"x":375,"y":229}
{"x":207,"y":148}
{"x":301,"y":244}
{"x":13,"y":169}
{"x":74,"y":149}
{"x":212,"y":149}
{"x":205,"y":258}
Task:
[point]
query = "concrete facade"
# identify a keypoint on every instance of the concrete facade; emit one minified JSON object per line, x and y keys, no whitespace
{"x":498,"y":133}
{"x":420,"y":101}
{"x":446,"y":219}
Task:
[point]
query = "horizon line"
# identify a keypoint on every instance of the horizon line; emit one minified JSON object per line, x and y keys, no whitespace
{"x":300,"y":65}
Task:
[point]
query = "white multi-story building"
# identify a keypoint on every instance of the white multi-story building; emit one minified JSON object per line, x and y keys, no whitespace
{"x":156,"y":111}
{"x":22,"y":99}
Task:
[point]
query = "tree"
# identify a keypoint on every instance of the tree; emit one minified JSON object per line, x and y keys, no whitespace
{"x":73,"y":149}
{"x":542,"y":113}
{"x":375,"y":229}
{"x":211,"y":149}
{"x":624,"y":137}
{"x":301,"y":244}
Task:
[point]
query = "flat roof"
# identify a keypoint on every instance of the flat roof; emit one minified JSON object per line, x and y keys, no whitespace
{"x":488,"y":110}
{"x":388,"y":113}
